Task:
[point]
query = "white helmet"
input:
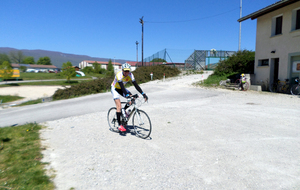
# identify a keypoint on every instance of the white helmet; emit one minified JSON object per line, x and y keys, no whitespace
{"x":126,"y":67}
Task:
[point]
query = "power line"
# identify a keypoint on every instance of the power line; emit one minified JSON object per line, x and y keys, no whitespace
{"x":190,"y":20}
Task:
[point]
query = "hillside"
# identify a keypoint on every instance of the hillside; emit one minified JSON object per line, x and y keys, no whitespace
{"x":57,"y":58}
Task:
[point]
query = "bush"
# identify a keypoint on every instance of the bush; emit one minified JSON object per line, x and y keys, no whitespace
{"x":87,"y":70}
{"x":240,"y":62}
{"x":84,"y":88}
{"x":141,"y":75}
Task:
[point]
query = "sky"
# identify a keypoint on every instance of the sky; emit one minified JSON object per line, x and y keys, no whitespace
{"x":111,"y":28}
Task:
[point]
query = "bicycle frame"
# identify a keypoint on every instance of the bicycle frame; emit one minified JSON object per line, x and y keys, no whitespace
{"x":135,"y":110}
{"x":283,"y":86}
{"x":280,"y":86}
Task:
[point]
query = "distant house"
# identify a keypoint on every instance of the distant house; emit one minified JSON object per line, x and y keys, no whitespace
{"x":35,"y":68}
{"x":76,"y":68}
{"x":103,"y":64}
{"x":277,"y":52}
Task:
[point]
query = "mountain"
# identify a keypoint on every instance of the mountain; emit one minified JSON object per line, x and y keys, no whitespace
{"x":57,"y":58}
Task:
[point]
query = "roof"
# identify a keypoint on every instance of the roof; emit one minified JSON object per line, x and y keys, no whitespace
{"x":268,"y":9}
{"x":34,"y":66}
{"x":132,"y":63}
{"x":102,"y":62}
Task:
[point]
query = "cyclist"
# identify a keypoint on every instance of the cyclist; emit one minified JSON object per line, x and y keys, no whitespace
{"x":242,"y":81}
{"x":118,"y":88}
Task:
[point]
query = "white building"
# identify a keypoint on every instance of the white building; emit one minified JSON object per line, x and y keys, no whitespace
{"x":103,"y":64}
{"x":117,"y":66}
{"x":277,"y":52}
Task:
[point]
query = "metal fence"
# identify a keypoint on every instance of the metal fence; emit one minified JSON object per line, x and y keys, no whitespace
{"x":188,"y":59}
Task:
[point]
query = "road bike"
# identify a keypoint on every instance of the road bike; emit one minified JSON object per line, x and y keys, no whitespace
{"x":245,"y":84}
{"x":280,"y":86}
{"x":295,"y":89}
{"x":140,"y":120}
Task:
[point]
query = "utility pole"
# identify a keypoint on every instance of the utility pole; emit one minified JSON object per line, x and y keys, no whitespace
{"x":142,"y":22}
{"x":137,"y":52}
{"x":240,"y":35}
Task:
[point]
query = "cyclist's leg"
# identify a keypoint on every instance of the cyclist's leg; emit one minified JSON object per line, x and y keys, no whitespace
{"x":242,"y":85}
{"x":122,"y":94}
{"x":117,"y":100}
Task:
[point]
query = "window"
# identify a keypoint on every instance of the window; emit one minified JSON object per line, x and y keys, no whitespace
{"x":263,"y":62}
{"x":277,"y":25}
{"x":296,"y":19}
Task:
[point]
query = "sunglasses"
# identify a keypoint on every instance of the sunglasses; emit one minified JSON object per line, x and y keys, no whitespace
{"x":126,"y":71}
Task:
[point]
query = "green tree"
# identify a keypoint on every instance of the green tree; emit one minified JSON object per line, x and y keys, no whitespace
{"x":29,"y":60}
{"x":6,"y":70}
{"x":4,"y":57}
{"x":110,"y":69}
{"x":68,"y":70}
{"x":44,"y":61}
{"x":16,"y":56}
{"x":87,"y":70}
{"x":158,"y":60}
{"x":239,"y":62}
{"x":96,"y":67}
{"x":110,"y":66}
{"x":23,"y":68}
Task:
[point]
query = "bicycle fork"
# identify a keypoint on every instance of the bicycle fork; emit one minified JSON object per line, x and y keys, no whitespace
{"x":140,"y":119}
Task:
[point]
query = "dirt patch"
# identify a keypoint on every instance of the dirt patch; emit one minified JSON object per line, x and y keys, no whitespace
{"x":30,"y":92}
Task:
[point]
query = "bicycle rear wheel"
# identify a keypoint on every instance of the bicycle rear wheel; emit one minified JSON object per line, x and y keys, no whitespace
{"x":142,"y":124}
{"x":112,"y":119}
{"x":237,"y":84}
{"x":273,"y":87}
{"x":295,"y":90}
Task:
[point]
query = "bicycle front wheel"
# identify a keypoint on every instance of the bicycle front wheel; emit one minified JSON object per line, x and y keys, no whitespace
{"x":295,"y":90}
{"x":246,"y":86}
{"x":112,"y":119}
{"x":142,"y":124}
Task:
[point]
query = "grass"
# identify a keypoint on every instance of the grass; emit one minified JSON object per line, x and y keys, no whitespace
{"x":37,"y":101}
{"x":8,"y":98}
{"x":20,"y":160}
{"x":212,"y":81}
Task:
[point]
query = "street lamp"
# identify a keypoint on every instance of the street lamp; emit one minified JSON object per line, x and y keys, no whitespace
{"x":114,"y":64}
{"x":142,"y":22}
{"x":240,"y":32}
{"x":137,"y":52}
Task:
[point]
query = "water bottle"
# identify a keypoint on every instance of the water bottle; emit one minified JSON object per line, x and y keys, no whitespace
{"x":128,"y":112}
{"x":123,"y":113}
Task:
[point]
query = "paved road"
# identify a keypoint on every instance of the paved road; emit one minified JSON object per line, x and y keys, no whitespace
{"x":201,"y":139}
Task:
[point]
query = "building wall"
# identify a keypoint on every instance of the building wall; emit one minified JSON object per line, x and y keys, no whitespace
{"x":285,"y":45}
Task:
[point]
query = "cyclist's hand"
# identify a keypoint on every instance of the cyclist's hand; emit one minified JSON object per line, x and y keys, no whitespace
{"x":145,"y":97}
{"x":128,"y":97}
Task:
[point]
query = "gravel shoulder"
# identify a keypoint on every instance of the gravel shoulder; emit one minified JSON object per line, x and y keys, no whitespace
{"x":201,"y":139}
